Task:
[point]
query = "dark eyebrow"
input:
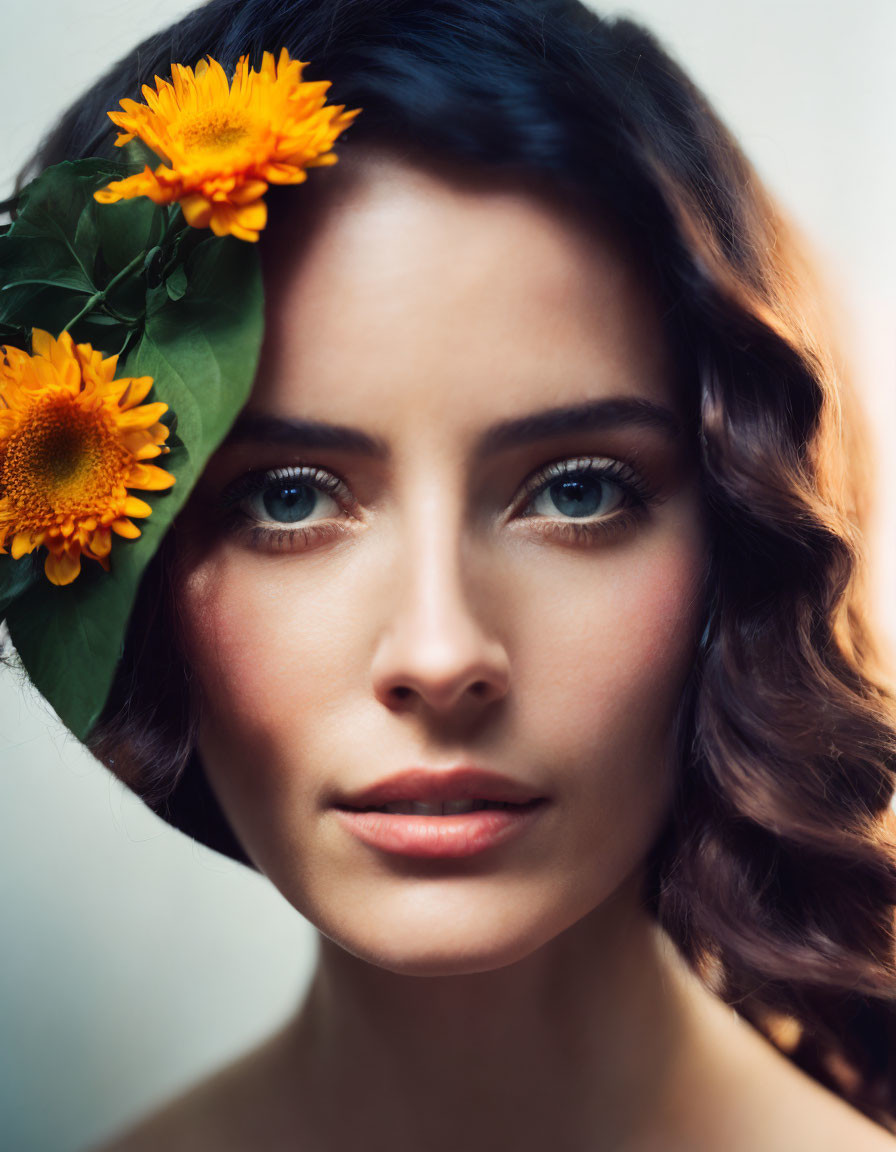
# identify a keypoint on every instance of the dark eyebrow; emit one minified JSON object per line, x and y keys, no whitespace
{"x":301,"y":433}
{"x":587,"y":416}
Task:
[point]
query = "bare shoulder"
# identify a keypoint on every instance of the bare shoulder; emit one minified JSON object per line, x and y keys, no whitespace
{"x":757,"y":1100}
{"x":796,"y":1112}
{"x":864,"y":1136}
{"x":194,"y":1120}
{"x":813,"y":1117}
{"x":228,"y":1111}
{"x":825,"y":1123}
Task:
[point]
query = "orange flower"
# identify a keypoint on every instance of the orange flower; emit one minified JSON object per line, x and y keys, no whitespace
{"x":224,"y":143}
{"x":72,"y":441}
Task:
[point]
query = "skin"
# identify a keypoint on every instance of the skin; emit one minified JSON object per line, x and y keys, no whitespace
{"x":521,"y":998}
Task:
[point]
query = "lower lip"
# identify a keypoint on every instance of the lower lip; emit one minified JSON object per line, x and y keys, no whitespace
{"x":442,"y":837}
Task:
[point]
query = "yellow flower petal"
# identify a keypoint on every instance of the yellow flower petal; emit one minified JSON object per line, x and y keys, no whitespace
{"x":222,"y":142}
{"x":101,"y":542}
{"x":137,"y":389}
{"x":21,"y":544}
{"x":145,"y":450}
{"x":197,"y":211}
{"x":136,"y":507}
{"x":42,"y":343}
{"x":248,"y":192}
{"x":110,"y":194}
{"x":72,"y":442}
{"x":125,"y":528}
{"x":62,"y":567}
{"x":142,"y":417}
{"x":149,"y":476}
{"x":253,"y":215}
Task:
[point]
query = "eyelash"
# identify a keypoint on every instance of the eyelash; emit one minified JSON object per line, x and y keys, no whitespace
{"x":636,"y":493}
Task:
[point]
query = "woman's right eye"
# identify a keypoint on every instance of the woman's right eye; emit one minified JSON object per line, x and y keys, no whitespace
{"x":274,"y":509}
{"x":284,"y":502}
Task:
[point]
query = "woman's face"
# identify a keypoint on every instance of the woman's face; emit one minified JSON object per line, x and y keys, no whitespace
{"x":432,"y":592}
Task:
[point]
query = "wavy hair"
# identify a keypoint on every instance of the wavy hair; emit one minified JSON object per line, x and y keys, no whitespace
{"x":776,"y":872}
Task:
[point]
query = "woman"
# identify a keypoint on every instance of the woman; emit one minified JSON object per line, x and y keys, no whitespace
{"x":541,"y":499}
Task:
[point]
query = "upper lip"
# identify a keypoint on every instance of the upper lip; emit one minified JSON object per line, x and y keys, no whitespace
{"x":434,"y":784}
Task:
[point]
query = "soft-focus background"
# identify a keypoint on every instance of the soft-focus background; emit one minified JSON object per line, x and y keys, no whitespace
{"x":133,"y":961}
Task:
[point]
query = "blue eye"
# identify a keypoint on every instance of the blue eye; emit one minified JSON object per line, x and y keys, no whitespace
{"x":288,"y":503}
{"x":582,"y":497}
{"x":578,"y":499}
{"x":584,"y":486}
{"x":287,"y":495}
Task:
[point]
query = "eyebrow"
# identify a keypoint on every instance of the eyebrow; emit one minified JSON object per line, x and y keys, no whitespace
{"x":592,"y":415}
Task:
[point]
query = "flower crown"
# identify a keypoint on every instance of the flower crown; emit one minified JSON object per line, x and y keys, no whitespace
{"x":106,"y":265}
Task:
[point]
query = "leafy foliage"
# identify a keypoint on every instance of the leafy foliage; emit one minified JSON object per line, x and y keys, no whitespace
{"x":181,"y":306}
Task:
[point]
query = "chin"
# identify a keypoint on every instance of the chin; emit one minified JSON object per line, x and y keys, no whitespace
{"x":442,"y":944}
{"x":441,"y":958}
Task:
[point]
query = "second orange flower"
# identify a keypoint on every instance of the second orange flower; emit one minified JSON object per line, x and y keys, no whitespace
{"x":73,"y":439}
{"x":223,"y":142}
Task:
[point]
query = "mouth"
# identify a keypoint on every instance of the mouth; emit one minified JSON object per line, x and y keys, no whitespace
{"x":436,"y":812}
{"x":422,"y":791}
{"x":441,"y":808}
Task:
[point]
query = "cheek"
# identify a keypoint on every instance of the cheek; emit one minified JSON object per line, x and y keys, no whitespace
{"x":262,"y":645}
{"x":608,"y":665}
{"x":600,"y":645}
{"x":261,"y":637}
{"x":613,"y":642}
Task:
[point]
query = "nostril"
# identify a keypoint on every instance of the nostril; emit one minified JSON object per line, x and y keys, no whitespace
{"x":479,"y":688}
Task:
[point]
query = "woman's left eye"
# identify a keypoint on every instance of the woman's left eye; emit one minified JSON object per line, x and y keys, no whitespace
{"x":577,"y":499}
{"x":585,"y":497}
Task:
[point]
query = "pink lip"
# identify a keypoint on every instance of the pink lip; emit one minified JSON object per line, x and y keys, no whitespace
{"x":457,"y":835}
{"x":465,"y":782}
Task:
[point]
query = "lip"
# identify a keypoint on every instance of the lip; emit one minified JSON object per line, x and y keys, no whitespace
{"x":464,"y":782}
{"x":442,"y":837}
{"x":450,"y":836}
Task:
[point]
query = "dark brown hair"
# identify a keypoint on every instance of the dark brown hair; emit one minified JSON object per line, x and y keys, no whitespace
{"x":776,"y":873}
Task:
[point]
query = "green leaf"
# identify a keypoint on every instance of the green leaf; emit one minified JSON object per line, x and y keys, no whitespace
{"x":16,"y":576}
{"x":36,"y":306}
{"x":202,"y":352}
{"x":31,"y":260}
{"x":176,"y":284}
{"x":50,"y":211}
{"x":64,"y":247}
{"x":127,"y":228}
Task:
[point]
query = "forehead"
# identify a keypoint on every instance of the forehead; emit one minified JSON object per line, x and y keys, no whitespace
{"x":396,"y":288}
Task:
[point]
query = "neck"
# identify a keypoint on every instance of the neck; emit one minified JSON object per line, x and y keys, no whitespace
{"x":574,"y":1042}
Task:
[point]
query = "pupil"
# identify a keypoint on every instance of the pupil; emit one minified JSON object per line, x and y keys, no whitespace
{"x":576,"y":497}
{"x":289,"y":503}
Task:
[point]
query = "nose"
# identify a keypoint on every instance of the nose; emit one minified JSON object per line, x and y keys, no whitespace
{"x":438,"y":642}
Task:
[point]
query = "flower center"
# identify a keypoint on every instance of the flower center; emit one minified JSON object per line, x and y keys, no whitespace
{"x":214,"y":130}
{"x":62,"y":461}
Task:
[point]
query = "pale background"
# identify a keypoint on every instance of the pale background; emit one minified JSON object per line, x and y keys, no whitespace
{"x":132,"y":960}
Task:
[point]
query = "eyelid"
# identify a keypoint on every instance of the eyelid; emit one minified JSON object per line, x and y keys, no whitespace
{"x":618,"y":472}
{"x":258,"y":479}
{"x":637,"y":490}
